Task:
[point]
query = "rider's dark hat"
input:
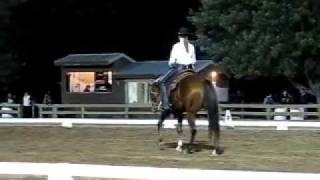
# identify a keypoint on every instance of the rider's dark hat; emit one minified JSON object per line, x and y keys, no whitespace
{"x":183,"y":31}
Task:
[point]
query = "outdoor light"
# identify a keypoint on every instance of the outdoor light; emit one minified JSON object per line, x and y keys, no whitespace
{"x":214,"y":75}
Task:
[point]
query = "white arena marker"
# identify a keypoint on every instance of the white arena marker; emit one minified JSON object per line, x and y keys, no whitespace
{"x":282,"y":126}
{"x":170,"y":124}
{"x":66,"y":124}
{"x":228,"y":119}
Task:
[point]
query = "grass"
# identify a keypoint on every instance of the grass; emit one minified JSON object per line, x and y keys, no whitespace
{"x":260,"y":150}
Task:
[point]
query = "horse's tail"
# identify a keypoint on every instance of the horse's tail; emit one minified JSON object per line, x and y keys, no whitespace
{"x":211,"y":101}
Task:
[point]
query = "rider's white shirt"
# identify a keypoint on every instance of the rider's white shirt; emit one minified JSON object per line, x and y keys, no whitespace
{"x":26,"y":100}
{"x":180,"y":55}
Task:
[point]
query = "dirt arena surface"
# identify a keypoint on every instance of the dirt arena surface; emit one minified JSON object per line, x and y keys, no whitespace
{"x":259,"y":150}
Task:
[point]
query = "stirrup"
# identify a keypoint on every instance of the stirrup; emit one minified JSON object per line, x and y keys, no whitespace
{"x":165,"y":109}
{"x":169,"y":107}
{"x":161,"y":107}
{"x":157,"y":81}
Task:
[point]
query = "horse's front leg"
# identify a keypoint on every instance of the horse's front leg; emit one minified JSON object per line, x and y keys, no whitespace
{"x":180,"y":133}
{"x":192,"y":125}
{"x":163,"y":116}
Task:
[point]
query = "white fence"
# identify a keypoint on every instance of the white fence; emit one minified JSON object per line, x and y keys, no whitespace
{"x":65,"y":171}
{"x":170,"y":123}
{"x":310,"y":112}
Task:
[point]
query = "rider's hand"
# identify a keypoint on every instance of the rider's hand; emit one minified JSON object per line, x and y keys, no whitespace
{"x":172,"y":65}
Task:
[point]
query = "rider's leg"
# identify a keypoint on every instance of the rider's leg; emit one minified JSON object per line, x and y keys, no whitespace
{"x":163,"y":89}
{"x":164,"y":97}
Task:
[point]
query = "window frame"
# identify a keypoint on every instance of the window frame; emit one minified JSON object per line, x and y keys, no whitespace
{"x":67,"y":82}
{"x":147,"y":82}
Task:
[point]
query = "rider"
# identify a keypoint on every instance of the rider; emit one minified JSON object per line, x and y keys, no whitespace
{"x":182,"y":56}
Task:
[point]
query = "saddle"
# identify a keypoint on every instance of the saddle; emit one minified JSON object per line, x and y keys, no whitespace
{"x":183,"y":74}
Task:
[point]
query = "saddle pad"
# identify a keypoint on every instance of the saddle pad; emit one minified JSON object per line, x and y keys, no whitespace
{"x":180,"y":76}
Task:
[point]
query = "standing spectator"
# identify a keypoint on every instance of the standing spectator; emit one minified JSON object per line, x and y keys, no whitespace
{"x":304,"y":97}
{"x":47,"y":98}
{"x":238,"y":97}
{"x":27,"y":105}
{"x":285,"y":98}
{"x":268,"y":99}
{"x":10,"y":98}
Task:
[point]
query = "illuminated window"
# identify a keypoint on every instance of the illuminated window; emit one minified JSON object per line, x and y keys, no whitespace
{"x":86,"y":82}
{"x":137,"y":93}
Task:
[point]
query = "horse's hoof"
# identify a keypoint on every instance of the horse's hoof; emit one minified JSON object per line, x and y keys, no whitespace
{"x":214,"y":153}
{"x":219,"y":150}
{"x":161,"y":146}
{"x":179,"y":149}
{"x":185,"y":151}
{"x":189,"y":151}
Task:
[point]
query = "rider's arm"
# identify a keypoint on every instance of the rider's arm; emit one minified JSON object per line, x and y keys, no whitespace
{"x":193,"y":54}
{"x":173,"y":56}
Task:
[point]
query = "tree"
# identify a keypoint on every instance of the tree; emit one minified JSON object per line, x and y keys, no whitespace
{"x":263,"y":37}
{"x":9,"y":67}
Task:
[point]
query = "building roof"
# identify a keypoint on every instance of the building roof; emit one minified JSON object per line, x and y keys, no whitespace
{"x":92,"y":59}
{"x":130,"y":69}
{"x":153,"y":68}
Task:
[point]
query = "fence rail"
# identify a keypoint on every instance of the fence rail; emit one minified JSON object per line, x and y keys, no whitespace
{"x":8,"y":110}
{"x":239,"y":111}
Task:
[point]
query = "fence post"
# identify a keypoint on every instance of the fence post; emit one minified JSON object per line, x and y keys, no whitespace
{"x":32,"y":109}
{"x":126,"y":111}
{"x":54,"y":111}
{"x":82,"y":112}
{"x":40,"y":111}
{"x":20,"y":111}
{"x":269,"y":113}
{"x":318,"y":111}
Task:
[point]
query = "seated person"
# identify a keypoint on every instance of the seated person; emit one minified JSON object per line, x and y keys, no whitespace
{"x":182,"y":56}
{"x":87,"y":88}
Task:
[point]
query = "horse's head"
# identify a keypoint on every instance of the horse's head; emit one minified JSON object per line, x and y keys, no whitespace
{"x":154,"y":92}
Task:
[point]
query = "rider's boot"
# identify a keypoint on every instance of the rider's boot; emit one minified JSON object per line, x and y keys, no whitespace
{"x":164,"y":98}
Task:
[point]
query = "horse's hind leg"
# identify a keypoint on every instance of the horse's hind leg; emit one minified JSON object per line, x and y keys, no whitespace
{"x":163,"y":116}
{"x":214,"y":128}
{"x":180,"y":132}
{"x":192,"y":125}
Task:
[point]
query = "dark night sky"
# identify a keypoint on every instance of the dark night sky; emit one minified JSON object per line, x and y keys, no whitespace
{"x":50,"y":29}
{"x":45,"y":30}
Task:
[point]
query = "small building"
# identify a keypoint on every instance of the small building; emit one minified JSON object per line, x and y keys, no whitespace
{"x":112,"y":78}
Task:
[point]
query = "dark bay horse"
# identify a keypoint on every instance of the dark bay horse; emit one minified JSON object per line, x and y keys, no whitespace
{"x":192,"y":93}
